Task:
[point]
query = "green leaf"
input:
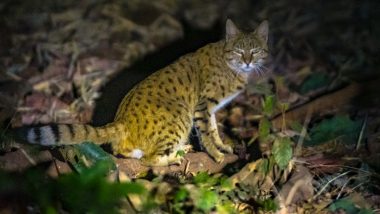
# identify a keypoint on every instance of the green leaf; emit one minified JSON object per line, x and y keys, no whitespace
{"x":93,"y":154}
{"x":296,"y":126}
{"x":283,"y":106}
{"x":203,"y":179}
{"x":93,"y":151}
{"x":50,"y":210}
{"x":226,"y":208}
{"x":344,"y":204}
{"x":269,"y":104}
{"x":181,"y":194}
{"x":264,"y":128}
{"x":282,"y":151}
{"x":366,"y":211}
{"x":265,"y":166}
{"x":131,"y":188}
{"x":206,"y":200}
{"x":313,"y":82}
{"x":268,"y":205}
{"x":90,"y":192}
{"x":225,"y":184}
{"x":180,"y":153}
{"x":336,"y":127}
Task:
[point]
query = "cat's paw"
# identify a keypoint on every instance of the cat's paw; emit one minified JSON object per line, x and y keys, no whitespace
{"x":187,"y":148}
{"x":172,"y":159}
{"x":177,"y":161}
{"x":228,"y":149}
{"x":219,"y":158}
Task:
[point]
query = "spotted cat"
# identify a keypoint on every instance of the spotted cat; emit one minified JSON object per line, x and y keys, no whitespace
{"x":155,"y":118}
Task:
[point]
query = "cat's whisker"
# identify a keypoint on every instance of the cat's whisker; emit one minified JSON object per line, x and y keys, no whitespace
{"x":261,"y":72}
{"x":263,"y":67}
{"x":259,"y":69}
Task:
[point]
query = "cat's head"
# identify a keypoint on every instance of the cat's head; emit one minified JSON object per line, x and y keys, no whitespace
{"x":246,"y":52}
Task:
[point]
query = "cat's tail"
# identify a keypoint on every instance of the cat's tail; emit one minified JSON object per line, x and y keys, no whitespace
{"x":69,"y":134}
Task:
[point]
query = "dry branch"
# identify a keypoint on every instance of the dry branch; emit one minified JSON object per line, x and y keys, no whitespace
{"x":323,"y":105}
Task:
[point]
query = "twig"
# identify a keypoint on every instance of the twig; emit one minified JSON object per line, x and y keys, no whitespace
{"x":364,"y":125}
{"x":353,"y":188}
{"x":324,"y":187}
{"x":73,"y":59}
{"x":325,"y":104}
{"x":341,"y":189}
{"x":293,"y":190}
{"x":30,"y":159}
{"x":301,"y":139}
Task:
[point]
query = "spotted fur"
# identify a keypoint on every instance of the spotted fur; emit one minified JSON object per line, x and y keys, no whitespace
{"x":155,"y":118}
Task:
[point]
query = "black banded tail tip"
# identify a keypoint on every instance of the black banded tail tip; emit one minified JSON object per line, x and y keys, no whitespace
{"x":20,"y":133}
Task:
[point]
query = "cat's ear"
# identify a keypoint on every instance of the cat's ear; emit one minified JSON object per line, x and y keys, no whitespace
{"x":231,"y":29}
{"x":262,"y":30}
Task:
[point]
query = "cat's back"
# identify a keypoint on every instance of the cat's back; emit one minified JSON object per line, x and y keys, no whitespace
{"x":171,"y":87}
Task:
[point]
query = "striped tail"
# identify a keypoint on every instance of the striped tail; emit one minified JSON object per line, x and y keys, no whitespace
{"x":69,"y":134}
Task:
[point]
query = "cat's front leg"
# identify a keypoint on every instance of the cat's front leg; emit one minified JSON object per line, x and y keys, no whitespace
{"x":205,"y":122}
{"x":213,"y":127}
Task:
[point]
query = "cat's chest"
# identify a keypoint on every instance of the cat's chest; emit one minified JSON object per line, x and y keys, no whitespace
{"x":224,"y":101}
{"x":223,"y":90}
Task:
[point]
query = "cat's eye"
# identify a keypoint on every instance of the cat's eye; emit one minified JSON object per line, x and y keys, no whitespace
{"x":256,"y":51}
{"x":239,"y":51}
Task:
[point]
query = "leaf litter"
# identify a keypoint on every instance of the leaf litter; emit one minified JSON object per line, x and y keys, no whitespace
{"x":65,"y":55}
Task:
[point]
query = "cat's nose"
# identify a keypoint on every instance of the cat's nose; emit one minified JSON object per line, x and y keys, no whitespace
{"x":247,"y":58}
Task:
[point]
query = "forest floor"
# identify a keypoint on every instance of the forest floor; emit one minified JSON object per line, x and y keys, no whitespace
{"x":306,"y":134}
